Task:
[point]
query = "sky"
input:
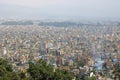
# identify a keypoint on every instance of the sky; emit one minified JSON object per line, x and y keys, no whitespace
{"x":60,"y":8}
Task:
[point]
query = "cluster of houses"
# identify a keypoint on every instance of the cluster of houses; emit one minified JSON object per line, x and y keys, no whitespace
{"x":90,"y":51}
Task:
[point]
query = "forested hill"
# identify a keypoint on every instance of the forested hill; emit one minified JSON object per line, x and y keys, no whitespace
{"x":62,"y":23}
{"x":17,"y":23}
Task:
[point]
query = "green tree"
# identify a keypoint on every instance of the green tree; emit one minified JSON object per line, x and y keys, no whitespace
{"x":6,"y":72}
{"x":42,"y":71}
{"x":90,"y":78}
{"x":4,"y":63}
{"x":62,"y":75}
{"x":80,"y":63}
{"x":116,"y":70}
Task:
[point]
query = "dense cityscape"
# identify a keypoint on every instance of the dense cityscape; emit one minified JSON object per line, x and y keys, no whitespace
{"x":87,"y":50}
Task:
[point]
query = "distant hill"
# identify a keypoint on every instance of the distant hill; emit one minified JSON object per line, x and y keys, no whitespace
{"x":78,"y":24}
{"x":17,"y":23}
{"x":61,"y":24}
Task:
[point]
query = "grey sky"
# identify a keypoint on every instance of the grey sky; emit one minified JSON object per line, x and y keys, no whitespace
{"x":60,"y":8}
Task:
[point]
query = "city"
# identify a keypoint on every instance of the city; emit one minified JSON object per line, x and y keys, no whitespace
{"x":85,"y":50}
{"x":59,"y":39}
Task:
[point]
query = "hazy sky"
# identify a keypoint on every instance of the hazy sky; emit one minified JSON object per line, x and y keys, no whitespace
{"x":60,"y":8}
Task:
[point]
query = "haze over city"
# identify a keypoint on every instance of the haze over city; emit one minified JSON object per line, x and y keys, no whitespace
{"x":60,"y":8}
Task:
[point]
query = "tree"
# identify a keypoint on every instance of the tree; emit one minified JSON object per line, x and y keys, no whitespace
{"x":5,"y":64}
{"x":38,"y":71}
{"x":116,"y":70}
{"x":6,"y":72}
{"x":91,"y":78}
{"x":80,"y":63}
{"x":62,"y":75}
{"x":42,"y":71}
